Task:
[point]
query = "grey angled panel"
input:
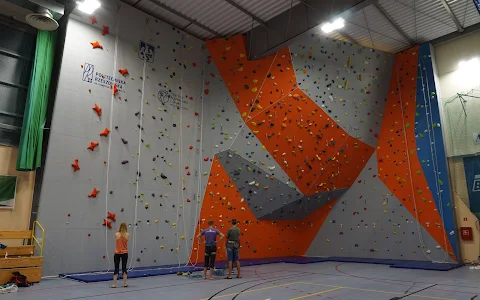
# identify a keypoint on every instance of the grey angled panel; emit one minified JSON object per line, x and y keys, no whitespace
{"x":251,"y":182}
{"x":369,"y":221}
{"x":304,"y":206}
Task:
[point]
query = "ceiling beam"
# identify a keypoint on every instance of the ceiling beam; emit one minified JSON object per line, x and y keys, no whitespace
{"x":350,"y":39}
{"x":452,"y":16}
{"x":179,"y":14}
{"x":245,"y":11}
{"x":393,"y":23}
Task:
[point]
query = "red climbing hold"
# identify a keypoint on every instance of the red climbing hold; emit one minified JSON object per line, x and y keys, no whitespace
{"x":89,"y":234}
{"x":188,"y":200}
{"x":97,"y":109}
{"x":75,"y":165}
{"x":94,"y":193}
{"x":107,"y":223}
{"x":105,"y":132}
{"x":105,"y":30}
{"x":96,"y":44}
{"x":206,"y":92}
{"x":93,"y":145}
{"x":111,"y":217}
{"x":206,"y":159}
{"x":93,"y":19}
{"x":188,"y":173}
{"x":124,"y":72}
{"x":191,"y":147}
{"x":186,"y":167}
{"x":115,"y":89}
{"x":196,"y":114}
{"x":69,"y":215}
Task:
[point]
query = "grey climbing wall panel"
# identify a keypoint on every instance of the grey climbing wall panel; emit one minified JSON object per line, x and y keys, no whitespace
{"x":262,"y":192}
{"x":226,"y":129}
{"x":368,"y":221}
{"x":349,"y":82}
{"x":147,"y":169}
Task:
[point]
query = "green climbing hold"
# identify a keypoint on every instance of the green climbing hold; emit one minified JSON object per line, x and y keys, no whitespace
{"x":407,"y":125}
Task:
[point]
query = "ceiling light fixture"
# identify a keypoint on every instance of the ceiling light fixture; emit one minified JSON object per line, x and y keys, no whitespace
{"x":335,"y":25}
{"x":88,"y":6}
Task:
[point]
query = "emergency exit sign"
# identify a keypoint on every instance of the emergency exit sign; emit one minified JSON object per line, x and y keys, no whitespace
{"x":477,"y":5}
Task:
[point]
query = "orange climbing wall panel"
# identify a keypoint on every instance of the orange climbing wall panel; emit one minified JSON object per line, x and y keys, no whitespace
{"x":260,"y":238}
{"x":399,"y":167}
{"x":316,"y":153}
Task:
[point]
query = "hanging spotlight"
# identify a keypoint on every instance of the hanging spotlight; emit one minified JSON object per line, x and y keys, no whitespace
{"x":335,"y":25}
{"x":88,"y":6}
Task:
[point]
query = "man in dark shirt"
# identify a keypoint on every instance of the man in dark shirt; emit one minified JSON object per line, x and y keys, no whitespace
{"x":233,"y":244}
{"x":210,"y":247}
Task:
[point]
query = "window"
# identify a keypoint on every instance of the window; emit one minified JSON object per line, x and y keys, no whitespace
{"x":17,"y":50}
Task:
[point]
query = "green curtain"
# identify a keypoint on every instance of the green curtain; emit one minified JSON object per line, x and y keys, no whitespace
{"x":30,"y":149}
{"x":7,"y":187}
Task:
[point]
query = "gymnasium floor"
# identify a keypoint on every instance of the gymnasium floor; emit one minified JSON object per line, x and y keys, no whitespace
{"x":328,"y":280}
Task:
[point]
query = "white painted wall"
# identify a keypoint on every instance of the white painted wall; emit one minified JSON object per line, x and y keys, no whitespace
{"x":460,"y":123}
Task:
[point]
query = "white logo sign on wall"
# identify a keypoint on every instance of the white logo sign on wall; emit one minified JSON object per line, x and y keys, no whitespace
{"x":146,"y":52}
{"x":101,"y":79}
{"x":171,"y":98}
{"x":476,"y":183}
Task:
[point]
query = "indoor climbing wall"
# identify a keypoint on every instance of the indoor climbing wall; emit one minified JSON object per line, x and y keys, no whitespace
{"x":399,"y":206}
{"x":286,"y":107}
{"x":125,"y":144}
{"x":324,"y":148}
{"x":319,"y":108}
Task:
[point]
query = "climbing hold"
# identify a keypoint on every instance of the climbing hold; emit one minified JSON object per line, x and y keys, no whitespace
{"x":124,"y":72}
{"x":97,"y":109}
{"x":124,"y":162}
{"x":111,"y":217}
{"x":105,"y":132}
{"x":96,"y":44}
{"x":107,"y":223}
{"x":115,"y":89}
{"x":163,"y":176}
{"x":105,"y":30}
{"x":75,"y":165}
{"x":93,"y":145}
{"x":94,"y":193}
{"x":124,"y":141}
{"x":93,"y":19}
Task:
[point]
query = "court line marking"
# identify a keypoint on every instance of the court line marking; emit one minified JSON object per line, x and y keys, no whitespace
{"x":376,"y":291}
{"x":315,"y":294}
{"x":335,"y":287}
{"x":255,"y":290}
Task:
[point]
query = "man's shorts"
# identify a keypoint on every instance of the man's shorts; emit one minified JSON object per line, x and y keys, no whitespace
{"x":232,"y":254}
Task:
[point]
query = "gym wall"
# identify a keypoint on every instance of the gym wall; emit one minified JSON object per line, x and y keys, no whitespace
{"x":315,"y":149}
{"x":147,"y":168}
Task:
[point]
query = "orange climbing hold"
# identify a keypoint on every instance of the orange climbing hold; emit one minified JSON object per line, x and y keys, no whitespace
{"x":94,"y":193}
{"x":107,"y":223}
{"x":115,"y":89}
{"x":96,"y":44}
{"x":105,"y":30}
{"x":93,"y":145}
{"x":111,"y":217}
{"x":75,"y":165}
{"x":105,"y":132}
{"x":97,"y":109}
{"x":124,"y":72}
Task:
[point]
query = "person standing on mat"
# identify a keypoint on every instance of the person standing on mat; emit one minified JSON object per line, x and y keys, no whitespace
{"x":233,"y":244}
{"x":121,"y":253}
{"x":210,"y":247}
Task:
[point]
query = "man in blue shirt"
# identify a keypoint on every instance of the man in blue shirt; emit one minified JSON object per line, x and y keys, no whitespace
{"x":210,"y":247}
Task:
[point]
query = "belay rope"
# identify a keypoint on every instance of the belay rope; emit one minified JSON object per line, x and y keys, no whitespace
{"x":8,"y":288}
